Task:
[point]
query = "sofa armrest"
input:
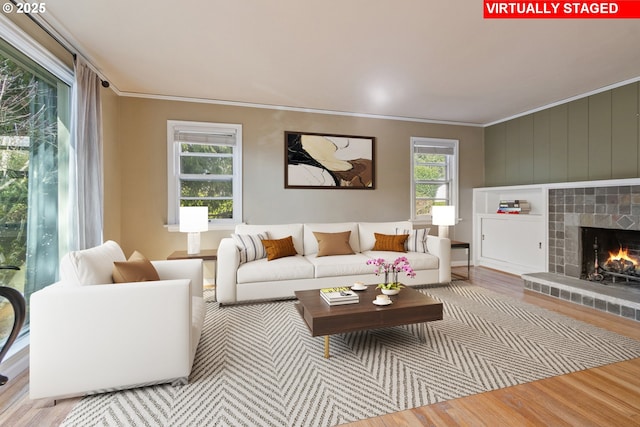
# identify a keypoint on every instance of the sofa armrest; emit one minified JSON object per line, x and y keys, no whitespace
{"x":93,"y":338}
{"x":228,"y":263}
{"x":441,"y":247}
{"x":182,"y":269}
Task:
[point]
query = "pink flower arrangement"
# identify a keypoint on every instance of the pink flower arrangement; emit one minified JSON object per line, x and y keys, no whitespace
{"x":395,"y":267}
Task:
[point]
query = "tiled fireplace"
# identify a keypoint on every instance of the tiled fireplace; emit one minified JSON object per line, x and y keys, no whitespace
{"x":578,"y":219}
{"x":572,"y":208}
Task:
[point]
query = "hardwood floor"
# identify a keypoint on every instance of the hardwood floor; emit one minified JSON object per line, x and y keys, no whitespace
{"x":605,"y":396}
{"x":17,"y":410}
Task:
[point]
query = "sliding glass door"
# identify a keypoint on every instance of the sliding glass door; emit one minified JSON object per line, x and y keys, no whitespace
{"x":34,"y":115}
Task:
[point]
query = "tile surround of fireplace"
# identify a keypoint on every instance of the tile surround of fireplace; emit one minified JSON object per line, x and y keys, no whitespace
{"x":616,"y":207}
{"x":569,"y":210}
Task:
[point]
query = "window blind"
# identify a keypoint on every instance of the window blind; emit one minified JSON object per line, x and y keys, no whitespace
{"x":434,"y":149}
{"x":205,"y":137}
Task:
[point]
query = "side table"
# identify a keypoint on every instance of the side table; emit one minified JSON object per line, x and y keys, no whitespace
{"x":456,"y":244}
{"x":205,"y":255}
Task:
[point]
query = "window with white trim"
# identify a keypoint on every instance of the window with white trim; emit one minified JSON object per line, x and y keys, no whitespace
{"x":434,"y":175}
{"x":205,"y":169}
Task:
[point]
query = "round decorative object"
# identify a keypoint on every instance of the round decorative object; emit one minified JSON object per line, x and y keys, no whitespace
{"x":390,"y":291}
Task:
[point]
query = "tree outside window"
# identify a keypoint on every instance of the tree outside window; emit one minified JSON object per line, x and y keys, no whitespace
{"x":29,"y":178}
{"x":434,"y":174}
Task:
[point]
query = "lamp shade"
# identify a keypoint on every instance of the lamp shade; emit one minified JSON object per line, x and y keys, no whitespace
{"x":194,"y":218}
{"x":443,"y":215}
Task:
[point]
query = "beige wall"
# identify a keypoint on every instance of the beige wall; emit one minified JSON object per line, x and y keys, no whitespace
{"x":135,"y":163}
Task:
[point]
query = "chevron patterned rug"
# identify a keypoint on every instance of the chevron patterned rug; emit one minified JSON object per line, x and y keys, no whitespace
{"x":257,"y":365}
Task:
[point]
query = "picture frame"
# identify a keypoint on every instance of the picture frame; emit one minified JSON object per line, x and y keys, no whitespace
{"x":329,"y":161}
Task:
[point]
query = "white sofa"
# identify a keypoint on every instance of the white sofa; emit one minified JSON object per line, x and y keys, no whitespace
{"x":89,"y":335}
{"x":278,"y":279}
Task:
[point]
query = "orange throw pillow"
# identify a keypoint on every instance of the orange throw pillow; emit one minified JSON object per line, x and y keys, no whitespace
{"x":136,"y":269}
{"x":390,"y":242}
{"x":279,"y":248}
{"x":333,"y":243}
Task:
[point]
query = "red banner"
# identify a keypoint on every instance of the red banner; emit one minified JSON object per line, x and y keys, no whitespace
{"x":624,"y":9}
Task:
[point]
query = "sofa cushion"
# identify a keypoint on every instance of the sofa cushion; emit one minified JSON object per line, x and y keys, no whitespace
{"x":277,"y":231}
{"x":366,"y":230}
{"x":390,"y":242}
{"x":417,"y":241}
{"x":311,"y":243}
{"x":333,"y":243}
{"x":136,"y":269}
{"x":250,"y":246}
{"x":279,"y":248}
{"x":92,"y":266}
{"x":340,"y":265}
{"x":262,"y":270}
{"x":417,"y":260}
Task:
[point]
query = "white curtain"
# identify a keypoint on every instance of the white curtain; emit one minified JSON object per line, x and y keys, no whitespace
{"x":86,"y":196}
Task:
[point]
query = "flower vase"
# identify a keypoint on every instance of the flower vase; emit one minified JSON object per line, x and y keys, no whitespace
{"x":390,"y":291}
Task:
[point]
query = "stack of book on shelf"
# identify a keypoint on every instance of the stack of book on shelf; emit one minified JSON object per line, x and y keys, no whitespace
{"x":338,"y":296}
{"x":514,"y":207}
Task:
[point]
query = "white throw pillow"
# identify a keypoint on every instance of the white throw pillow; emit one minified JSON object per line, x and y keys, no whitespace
{"x":417,"y":241}
{"x":250,"y":246}
{"x":91,"y":266}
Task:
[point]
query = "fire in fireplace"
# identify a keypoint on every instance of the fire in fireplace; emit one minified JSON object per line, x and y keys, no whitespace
{"x":621,"y":262}
{"x":611,"y":255}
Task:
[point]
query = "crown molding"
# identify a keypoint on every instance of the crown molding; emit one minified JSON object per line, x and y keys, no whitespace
{"x":289,"y":108}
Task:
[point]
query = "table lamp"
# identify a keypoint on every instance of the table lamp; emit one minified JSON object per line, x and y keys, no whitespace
{"x":443,"y":217}
{"x":193,"y":220}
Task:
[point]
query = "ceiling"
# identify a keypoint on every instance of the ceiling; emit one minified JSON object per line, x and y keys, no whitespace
{"x":430,"y":60}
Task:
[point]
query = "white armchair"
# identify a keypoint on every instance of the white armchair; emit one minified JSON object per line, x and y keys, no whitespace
{"x":90,"y":338}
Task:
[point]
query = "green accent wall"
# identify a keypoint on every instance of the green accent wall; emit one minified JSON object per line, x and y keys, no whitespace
{"x":591,"y":138}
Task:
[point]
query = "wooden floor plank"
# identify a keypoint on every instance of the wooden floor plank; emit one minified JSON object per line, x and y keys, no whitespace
{"x":604,"y":396}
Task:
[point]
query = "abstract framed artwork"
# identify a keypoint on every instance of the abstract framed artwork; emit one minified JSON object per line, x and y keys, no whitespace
{"x":318,"y":160}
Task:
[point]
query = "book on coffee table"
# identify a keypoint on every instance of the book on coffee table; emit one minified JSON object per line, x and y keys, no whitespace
{"x":341,"y":302}
{"x":338,"y":296}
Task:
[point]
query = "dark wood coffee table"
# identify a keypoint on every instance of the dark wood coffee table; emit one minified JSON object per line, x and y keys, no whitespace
{"x":408,"y":307}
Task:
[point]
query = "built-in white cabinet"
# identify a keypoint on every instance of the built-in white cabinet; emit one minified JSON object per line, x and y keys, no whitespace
{"x":512,"y":243}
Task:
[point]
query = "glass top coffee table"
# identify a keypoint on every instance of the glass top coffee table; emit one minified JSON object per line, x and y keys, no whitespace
{"x":408,"y":307}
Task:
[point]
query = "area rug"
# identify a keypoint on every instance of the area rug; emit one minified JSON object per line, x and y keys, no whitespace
{"x":257,"y":364}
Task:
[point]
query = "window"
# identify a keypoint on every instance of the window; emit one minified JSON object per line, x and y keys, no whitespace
{"x":205,"y":169}
{"x":434,"y":174}
{"x":34,"y":144}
